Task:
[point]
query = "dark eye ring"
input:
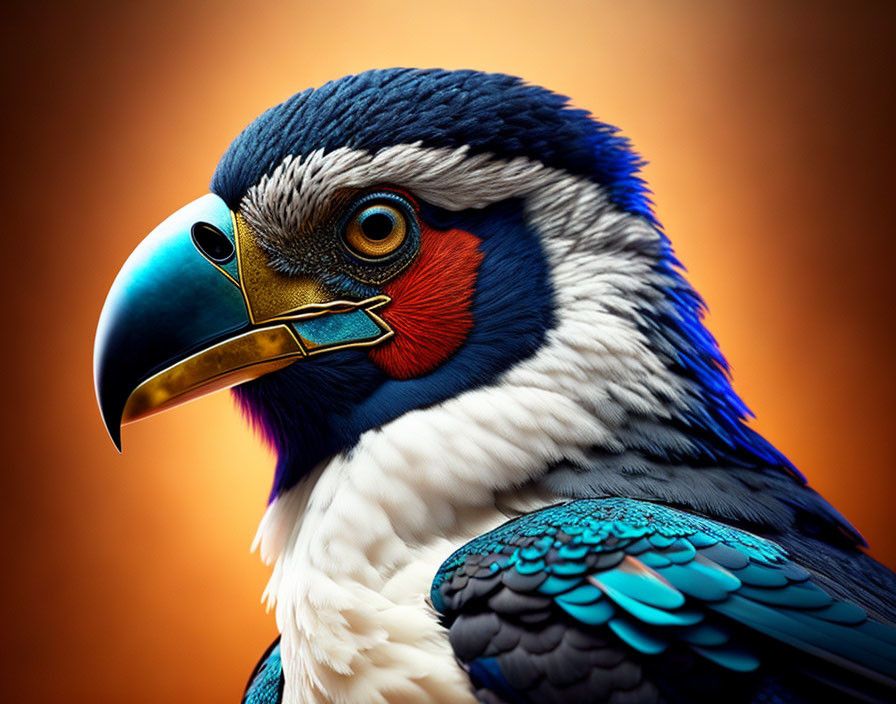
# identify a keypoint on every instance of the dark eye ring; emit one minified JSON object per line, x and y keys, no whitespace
{"x":377,"y":230}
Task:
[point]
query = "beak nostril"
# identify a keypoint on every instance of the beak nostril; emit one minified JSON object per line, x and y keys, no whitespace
{"x":212,"y":243}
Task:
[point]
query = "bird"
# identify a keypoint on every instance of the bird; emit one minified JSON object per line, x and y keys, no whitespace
{"x":511,"y":464}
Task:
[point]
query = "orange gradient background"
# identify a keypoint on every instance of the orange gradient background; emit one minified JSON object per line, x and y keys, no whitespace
{"x":769,"y":128}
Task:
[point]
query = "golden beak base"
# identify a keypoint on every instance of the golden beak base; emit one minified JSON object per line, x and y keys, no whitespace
{"x":311,"y":330}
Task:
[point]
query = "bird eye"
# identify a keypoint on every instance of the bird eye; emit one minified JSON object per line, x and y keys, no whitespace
{"x":376,"y":231}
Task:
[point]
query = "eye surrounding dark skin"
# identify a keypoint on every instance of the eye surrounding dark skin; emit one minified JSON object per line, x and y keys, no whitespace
{"x":366,"y":239}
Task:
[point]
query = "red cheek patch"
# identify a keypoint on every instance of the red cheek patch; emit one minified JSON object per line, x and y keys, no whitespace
{"x":431,"y":304}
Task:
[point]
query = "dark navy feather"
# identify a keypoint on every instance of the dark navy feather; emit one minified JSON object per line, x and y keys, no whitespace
{"x":487,"y":113}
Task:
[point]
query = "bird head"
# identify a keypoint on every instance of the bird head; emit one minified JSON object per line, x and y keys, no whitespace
{"x":400,"y":239}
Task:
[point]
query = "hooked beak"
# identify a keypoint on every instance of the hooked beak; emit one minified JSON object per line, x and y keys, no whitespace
{"x":196,"y":309}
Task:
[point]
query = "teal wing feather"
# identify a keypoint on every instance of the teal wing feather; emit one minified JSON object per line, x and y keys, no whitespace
{"x":593,"y":598}
{"x":266,"y":682}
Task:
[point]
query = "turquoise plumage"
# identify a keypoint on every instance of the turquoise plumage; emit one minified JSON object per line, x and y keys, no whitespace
{"x":659,"y":586}
{"x":266,"y":682}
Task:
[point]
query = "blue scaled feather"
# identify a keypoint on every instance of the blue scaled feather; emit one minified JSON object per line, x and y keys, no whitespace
{"x":644,"y":586}
{"x":638,"y":637}
{"x":266,"y":682}
{"x":590,"y":614}
{"x":729,"y":598}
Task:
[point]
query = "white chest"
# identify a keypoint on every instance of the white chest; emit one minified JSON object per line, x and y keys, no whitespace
{"x":347,"y":642}
{"x":351,"y":583}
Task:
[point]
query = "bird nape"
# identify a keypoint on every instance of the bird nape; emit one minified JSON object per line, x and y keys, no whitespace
{"x":511,"y":465}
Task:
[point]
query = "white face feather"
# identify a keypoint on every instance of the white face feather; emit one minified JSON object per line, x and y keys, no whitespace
{"x":356,"y":544}
{"x":296,"y":193}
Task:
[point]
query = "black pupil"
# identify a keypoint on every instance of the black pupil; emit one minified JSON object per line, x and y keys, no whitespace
{"x":377,"y":226}
{"x":213,"y":243}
